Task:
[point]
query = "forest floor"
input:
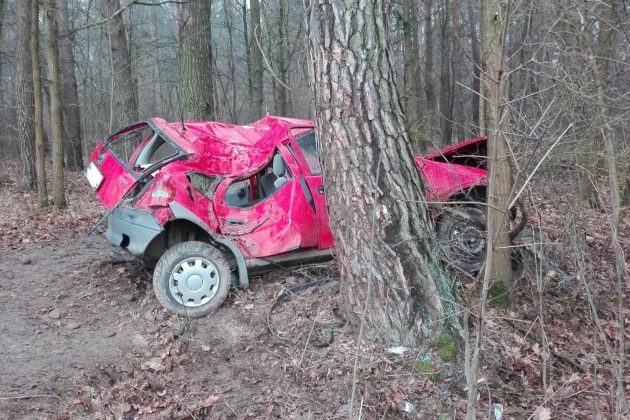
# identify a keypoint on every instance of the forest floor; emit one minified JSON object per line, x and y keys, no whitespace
{"x":82,"y":335}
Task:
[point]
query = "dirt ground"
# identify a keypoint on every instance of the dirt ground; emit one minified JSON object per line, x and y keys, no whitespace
{"x":82,"y":336}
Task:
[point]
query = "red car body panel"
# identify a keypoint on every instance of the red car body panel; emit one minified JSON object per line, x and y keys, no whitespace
{"x":292,"y":219}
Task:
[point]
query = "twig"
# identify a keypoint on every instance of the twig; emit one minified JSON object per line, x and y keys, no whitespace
{"x":25,"y":397}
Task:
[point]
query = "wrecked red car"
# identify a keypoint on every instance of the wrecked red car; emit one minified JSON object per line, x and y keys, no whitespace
{"x":212,"y":203}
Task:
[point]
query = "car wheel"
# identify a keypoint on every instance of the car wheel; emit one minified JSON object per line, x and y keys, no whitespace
{"x":461,"y":233}
{"x":192,"y":279}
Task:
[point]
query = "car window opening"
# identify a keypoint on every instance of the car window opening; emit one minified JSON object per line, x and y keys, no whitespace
{"x":141,"y":148}
{"x":249,"y":191}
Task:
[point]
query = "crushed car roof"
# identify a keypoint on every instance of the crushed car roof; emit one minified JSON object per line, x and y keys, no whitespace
{"x":221,"y":148}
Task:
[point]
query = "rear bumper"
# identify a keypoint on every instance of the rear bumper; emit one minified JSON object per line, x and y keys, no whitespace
{"x":132,"y":229}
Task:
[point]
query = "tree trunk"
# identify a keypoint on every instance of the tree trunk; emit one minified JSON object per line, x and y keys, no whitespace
{"x":383,"y":230}
{"x":25,"y":112}
{"x":413,"y":116}
{"x":40,"y":146}
{"x":256,"y":76}
{"x":56,"y":120}
{"x":124,"y":92}
{"x":474,"y":43}
{"x":195,"y":60}
{"x":499,"y":267}
{"x":281,"y":107}
{"x":428,"y":61}
{"x":229,"y":24}
{"x":457,"y":68}
{"x":248,"y":55}
{"x":446,"y":81}
{"x":69,"y":93}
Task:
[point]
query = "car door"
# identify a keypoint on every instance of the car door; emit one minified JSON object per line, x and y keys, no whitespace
{"x":304,"y":147}
{"x":266,"y":223}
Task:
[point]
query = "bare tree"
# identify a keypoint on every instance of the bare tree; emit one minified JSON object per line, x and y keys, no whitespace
{"x":256,"y":64}
{"x":73,"y":148}
{"x":195,"y":60}
{"x":382,"y":227}
{"x":123,"y":86}
{"x":56,"y":119}
{"x":411,"y":27}
{"x":24,"y":95}
{"x":40,"y":146}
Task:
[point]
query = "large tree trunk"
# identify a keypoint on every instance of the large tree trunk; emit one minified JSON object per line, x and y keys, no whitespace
{"x":25,"y":111}
{"x":383,"y":230}
{"x":256,"y":66}
{"x":195,"y":61}
{"x":40,"y":146}
{"x":69,"y":93}
{"x":52,"y":53}
{"x":124,"y":92}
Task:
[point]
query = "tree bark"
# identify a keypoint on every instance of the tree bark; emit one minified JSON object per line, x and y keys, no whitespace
{"x":73,"y":148}
{"x":256,"y":75}
{"x":56,"y":119}
{"x":40,"y":146}
{"x":383,"y":230}
{"x":124,"y":91}
{"x":25,"y":112}
{"x":195,"y":61}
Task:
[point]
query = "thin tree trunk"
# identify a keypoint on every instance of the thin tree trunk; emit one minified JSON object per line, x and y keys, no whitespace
{"x":40,"y":146}
{"x":457,"y":67}
{"x":428,"y":61}
{"x":229,"y":24}
{"x":69,"y":93}
{"x":248,"y":54}
{"x":124,"y":92}
{"x":56,"y":121}
{"x":256,"y":99}
{"x":474,"y":42}
{"x":412,"y":75}
{"x":383,"y":230}
{"x":498,"y":268}
{"x":195,"y":61}
{"x":25,"y":112}
{"x":282,"y":105}
{"x":446,"y":84}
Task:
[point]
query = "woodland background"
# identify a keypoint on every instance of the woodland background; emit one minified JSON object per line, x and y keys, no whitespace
{"x":558,"y":350}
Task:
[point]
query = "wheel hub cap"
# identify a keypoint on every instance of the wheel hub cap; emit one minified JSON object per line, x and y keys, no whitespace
{"x":194,"y":282}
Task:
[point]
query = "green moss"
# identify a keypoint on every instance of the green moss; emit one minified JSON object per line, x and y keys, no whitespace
{"x":498,"y":295}
{"x":445,"y":347}
{"x":425,"y":367}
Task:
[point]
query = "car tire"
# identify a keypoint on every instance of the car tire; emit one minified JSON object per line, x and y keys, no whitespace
{"x":461,"y":234}
{"x":192,"y":279}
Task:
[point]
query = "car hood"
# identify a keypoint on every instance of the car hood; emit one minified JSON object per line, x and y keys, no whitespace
{"x":227,"y":149}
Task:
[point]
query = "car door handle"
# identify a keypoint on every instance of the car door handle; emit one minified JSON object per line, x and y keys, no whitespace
{"x":320,"y":190}
{"x":236,"y":222}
